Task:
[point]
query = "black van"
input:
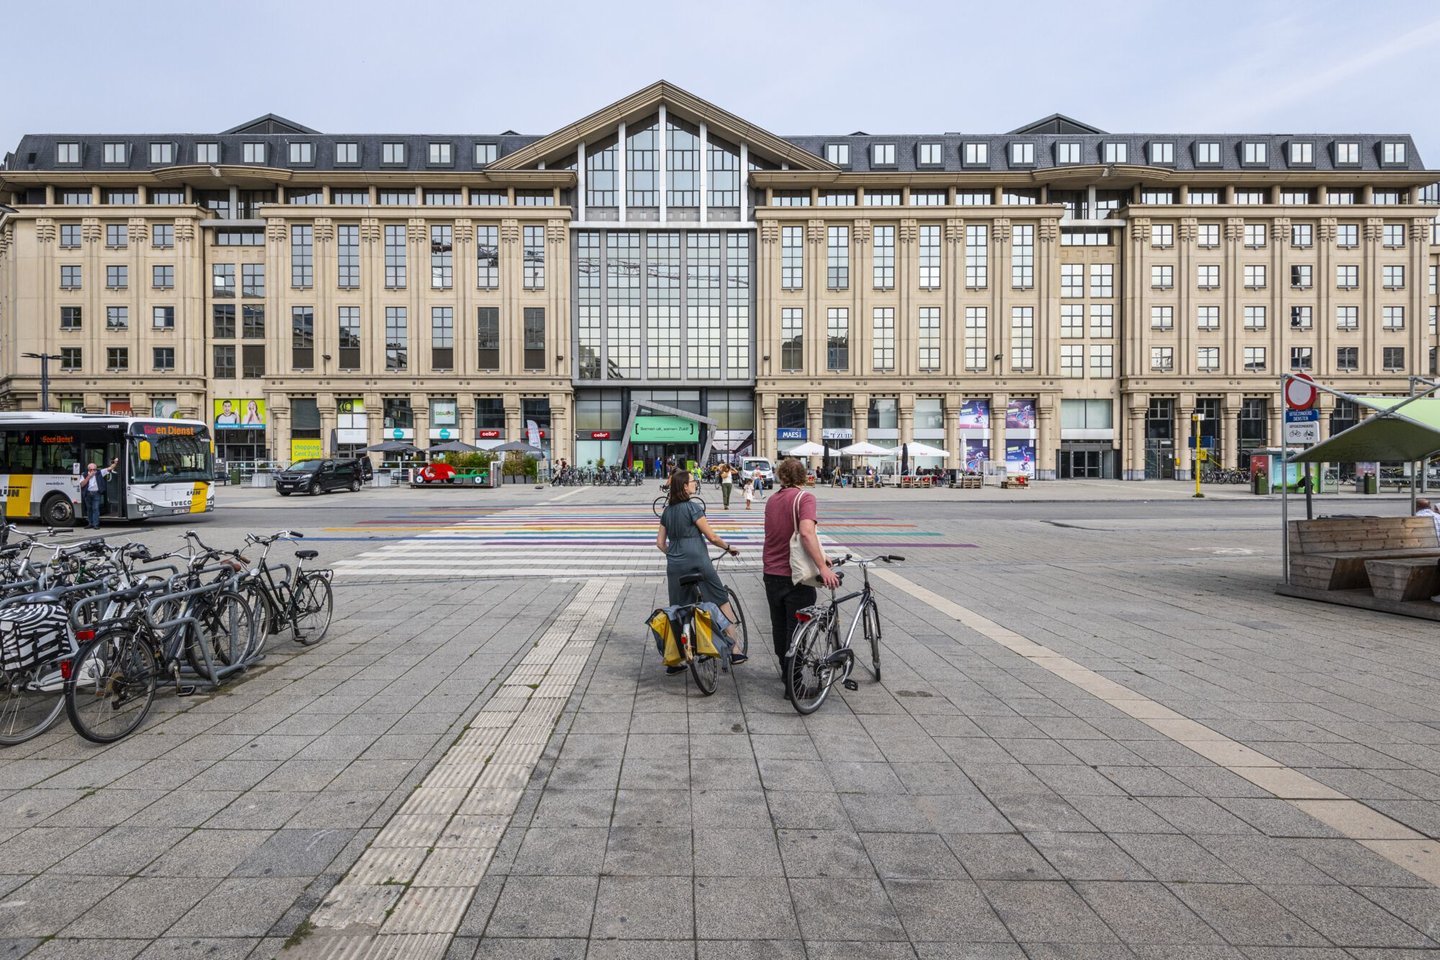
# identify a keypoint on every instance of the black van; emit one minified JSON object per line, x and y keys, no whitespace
{"x":319,"y":476}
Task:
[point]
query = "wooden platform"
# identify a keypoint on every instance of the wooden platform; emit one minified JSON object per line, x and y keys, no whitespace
{"x":1365,"y":600}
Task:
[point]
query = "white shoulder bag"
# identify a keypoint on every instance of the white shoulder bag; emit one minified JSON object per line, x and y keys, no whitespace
{"x":802,"y":569}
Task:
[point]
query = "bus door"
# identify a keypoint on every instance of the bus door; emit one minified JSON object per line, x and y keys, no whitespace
{"x":101,"y":453}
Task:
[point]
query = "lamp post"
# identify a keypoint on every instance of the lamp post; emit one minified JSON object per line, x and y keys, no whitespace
{"x":44,"y":359}
{"x":1195,"y":420}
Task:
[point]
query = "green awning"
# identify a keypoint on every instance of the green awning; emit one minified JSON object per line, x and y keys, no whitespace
{"x":1412,"y":433}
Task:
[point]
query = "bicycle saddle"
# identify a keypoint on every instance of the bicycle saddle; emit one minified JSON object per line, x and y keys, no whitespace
{"x":691,"y":579}
{"x":307,"y":554}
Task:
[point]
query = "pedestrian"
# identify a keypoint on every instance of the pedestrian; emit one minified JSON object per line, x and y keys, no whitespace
{"x":92,"y":491}
{"x":758,"y":481}
{"x":659,"y":467}
{"x":792,"y":505}
{"x":749,"y":485}
{"x":727,"y":483}
{"x":681,"y":537}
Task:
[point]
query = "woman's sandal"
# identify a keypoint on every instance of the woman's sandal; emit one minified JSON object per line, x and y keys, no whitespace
{"x":738,"y":658}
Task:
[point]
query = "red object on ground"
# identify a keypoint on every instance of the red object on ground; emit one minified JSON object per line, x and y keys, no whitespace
{"x":436,"y":472}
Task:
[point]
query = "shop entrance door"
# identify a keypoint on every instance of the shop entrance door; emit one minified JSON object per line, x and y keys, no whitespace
{"x":1086,"y":462}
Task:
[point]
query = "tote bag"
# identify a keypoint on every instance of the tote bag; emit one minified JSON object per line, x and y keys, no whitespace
{"x":802,"y":568}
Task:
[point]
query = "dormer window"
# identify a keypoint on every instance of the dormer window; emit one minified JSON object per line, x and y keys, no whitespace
{"x":392,"y":153}
{"x":441,"y":155}
{"x":1116,"y":152}
{"x":115,"y":153}
{"x":976,"y":154}
{"x":347,"y":153}
{"x":1207,"y":153}
{"x":838,"y":154}
{"x":1022,"y":154}
{"x":302,"y":153}
{"x":1067,"y":151}
{"x":1347,"y":153}
{"x":162,"y":153}
{"x":207,"y":153}
{"x":1162,"y":151}
{"x":486,"y":153}
{"x":1392,"y":152}
{"x":1254,"y":153}
{"x":67,"y":153}
{"x":1302,"y":154}
{"x":253,"y":153}
{"x":882,"y":155}
{"x":929,"y":154}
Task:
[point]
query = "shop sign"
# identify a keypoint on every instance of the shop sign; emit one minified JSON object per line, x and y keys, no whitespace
{"x":239,"y":413}
{"x":837,"y":433}
{"x":487,"y":434}
{"x":306,"y":448}
{"x":599,"y":434}
{"x":119,"y":408}
{"x":791,"y":433}
{"x":665,"y":430}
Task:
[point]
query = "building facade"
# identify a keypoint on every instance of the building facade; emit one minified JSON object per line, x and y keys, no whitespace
{"x":1062,"y":298}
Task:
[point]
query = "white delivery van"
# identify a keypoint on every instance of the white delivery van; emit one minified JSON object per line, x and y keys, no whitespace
{"x":748,"y":466}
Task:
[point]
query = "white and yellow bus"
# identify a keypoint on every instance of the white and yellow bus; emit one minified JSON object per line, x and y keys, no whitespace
{"x":167,"y":467}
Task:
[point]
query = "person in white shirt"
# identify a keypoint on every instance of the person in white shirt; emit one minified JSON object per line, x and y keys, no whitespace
{"x":93,"y":484}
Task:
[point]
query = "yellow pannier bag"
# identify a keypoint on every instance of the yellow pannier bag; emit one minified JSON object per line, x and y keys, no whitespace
{"x":663,"y":630}
{"x":704,"y":633}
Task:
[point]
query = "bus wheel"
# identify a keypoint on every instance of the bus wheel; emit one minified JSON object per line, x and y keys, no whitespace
{"x":58,"y":511}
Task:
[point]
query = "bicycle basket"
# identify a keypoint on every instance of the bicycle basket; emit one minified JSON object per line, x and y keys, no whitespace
{"x":31,"y":633}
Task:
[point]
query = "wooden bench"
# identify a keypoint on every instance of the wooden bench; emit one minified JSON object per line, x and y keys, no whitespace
{"x":1332,"y":553}
{"x":1408,"y":578}
{"x":967,"y":481}
{"x":1018,"y":480}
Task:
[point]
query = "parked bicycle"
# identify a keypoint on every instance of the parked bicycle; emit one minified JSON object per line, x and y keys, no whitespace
{"x":299,"y":600}
{"x":706,"y":669}
{"x":818,"y":655}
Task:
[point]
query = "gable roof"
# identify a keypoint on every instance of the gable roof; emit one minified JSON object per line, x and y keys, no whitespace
{"x":270,"y":123}
{"x":642,"y":104}
{"x":1058,"y":123}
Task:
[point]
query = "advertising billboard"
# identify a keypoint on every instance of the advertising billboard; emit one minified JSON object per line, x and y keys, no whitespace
{"x":239,"y":414}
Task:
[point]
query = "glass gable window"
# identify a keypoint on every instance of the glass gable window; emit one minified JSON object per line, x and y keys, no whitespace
{"x":682,"y":161}
{"x":642,"y":166}
{"x":601,"y":186}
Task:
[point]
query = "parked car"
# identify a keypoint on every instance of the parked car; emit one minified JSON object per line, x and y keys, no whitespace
{"x":319,"y":476}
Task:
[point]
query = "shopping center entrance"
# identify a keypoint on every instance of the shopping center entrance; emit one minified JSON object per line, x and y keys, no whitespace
{"x":656,"y":431}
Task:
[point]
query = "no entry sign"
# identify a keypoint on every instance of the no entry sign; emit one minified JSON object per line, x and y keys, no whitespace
{"x":1300,"y":392}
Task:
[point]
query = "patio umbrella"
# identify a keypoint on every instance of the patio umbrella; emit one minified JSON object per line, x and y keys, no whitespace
{"x":515,"y":446}
{"x":393,"y":446}
{"x":453,"y":446}
{"x":863,"y":449}
{"x":915,"y":449}
{"x":809,"y":449}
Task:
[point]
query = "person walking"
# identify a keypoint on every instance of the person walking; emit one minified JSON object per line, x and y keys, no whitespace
{"x":727,"y":483}
{"x":681,"y":537}
{"x":749,"y":486}
{"x":758,"y":482}
{"x":93,"y":485}
{"x":659,"y":468}
{"x":792,"y":505}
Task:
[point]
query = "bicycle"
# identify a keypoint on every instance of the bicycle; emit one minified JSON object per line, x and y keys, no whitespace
{"x":663,"y":501}
{"x":704,"y":668}
{"x":817,"y":654}
{"x":301,"y":600}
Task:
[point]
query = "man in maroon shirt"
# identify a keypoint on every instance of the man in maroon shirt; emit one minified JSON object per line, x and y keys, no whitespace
{"x":785,"y":597}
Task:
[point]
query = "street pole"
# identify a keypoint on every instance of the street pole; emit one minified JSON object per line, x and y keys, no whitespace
{"x":44,"y":359}
{"x":1195,"y":419}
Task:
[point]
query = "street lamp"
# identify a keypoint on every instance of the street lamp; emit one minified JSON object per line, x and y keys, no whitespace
{"x":44,"y":359}
{"x":1195,"y":420}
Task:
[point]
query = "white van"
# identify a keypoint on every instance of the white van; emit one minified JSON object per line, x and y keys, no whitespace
{"x":748,"y":466}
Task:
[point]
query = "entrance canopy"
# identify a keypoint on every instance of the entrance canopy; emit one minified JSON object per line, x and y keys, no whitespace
{"x":1403,"y":431}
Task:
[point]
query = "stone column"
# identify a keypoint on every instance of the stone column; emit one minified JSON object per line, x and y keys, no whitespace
{"x":1135,"y":436}
{"x":1045,"y":437}
{"x":1230,"y":431}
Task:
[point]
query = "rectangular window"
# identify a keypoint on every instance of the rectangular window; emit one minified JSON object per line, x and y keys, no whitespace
{"x":162,"y":236}
{"x":1347,"y":318}
{"x":1072,"y":360}
{"x":1392,"y":152}
{"x":1022,"y":338}
{"x":1392,"y":318}
{"x":73,"y":198}
{"x":1255,"y":235}
{"x":70,"y":277}
{"x":929,"y":339}
{"x":971,"y":198}
{"x":1434,"y":283}
{"x":252,"y":279}
{"x":302,"y":152}
{"x":252,"y":152}
{"x":1102,"y":280}
{"x":162,"y":276}
{"x":162,"y":318}
{"x":534,"y":319}
{"x":224,"y":321}
{"x":302,"y":338}
{"x":1207,"y":234}
{"x":792,"y":258}
{"x":1102,"y":360}
{"x":441,"y":155}
{"x":397,"y":198}
{"x":1162,"y":276}
{"x":225,"y":361}
{"x":1255,"y":276}
{"x":392,"y":153}
{"x":882,"y":155}
{"x":1162,"y":318}
{"x":70,"y":359}
{"x":442,"y":338}
{"x":1162,"y":235}
{"x":1347,"y":359}
{"x":1162,"y":152}
{"x":1117,"y":152}
{"x":117,"y":236}
{"x":114,"y":153}
{"x":1102,"y":320}
{"x":69,"y":236}
{"x":1253,"y":152}
{"x":977,"y":347}
{"x":1254,"y":318}
{"x":71,"y":318}
{"x":1301,"y":236}
{"x":838,"y":154}
{"x":976,"y":154}
{"x":1072,"y":279}
{"x":349,"y":198}
{"x":1207,"y":318}
{"x":928,"y":198}
{"x":117,"y":318}
{"x":1302,"y":153}
{"x":1162,"y":359}
{"x":349,"y":329}
{"x":252,"y":321}
{"x":1392,"y":359}
{"x":1393,"y":277}
{"x":837,"y":343}
{"x":208,"y":153}
{"x":1347,"y":153}
{"x":397,"y":339}
{"x":488,"y":337}
{"x":1347,"y":276}
{"x":442,"y":256}
{"x":67,"y":153}
{"x":883,"y":339}
{"x":1207,"y":359}
{"x":977,"y":256}
{"x":1254,"y":359}
{"x":252,"y":361}
{"x":487,"y":254}
{"x":1022,"y":154}
{"x":1072,"y":319}
{"x":1067,"y":151}
{"x":395,"y":257}
{"x":884,"y":258}
{"x":837,"y":264}
{"x":443,"y":198}
{"x":1302,"y":318}
{"x":1022,"y":256}
{"x":534,"y":253}
{"x":929,"y":154}
{"x":302,"y":256}
{"x":347,"y":256}
{"x":117,"y":359}
{"x":486,"y":153}
{"x":117,"y":277}
{"x":1302,"y":358}
{"x":1250,"y":197}
{"x":1301,"y":276}
{"x":1347,"y":235}
{"x":792,"y":353}
{"x":929,"y":257}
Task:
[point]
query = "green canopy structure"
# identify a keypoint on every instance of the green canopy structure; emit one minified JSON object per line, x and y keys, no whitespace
{"x":1405,"y":435}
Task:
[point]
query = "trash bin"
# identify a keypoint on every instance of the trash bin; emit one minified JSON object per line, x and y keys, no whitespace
{"x":1372,"y":483}
{"x":1258,"y":481}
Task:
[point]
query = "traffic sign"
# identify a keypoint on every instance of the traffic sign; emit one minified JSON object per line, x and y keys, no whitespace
{"x":1302,"y":416}
{"x":1302,"y":432}
{"x":1300,"y":392}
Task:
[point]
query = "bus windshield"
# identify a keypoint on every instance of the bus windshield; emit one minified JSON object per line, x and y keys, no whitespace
{"x":177,"y":459}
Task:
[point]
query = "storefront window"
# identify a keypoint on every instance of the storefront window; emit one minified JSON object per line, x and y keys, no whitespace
{"x":791,"y":413}
{"x":398,"y":415}
{"x":884,"y":414}
{"x":930,"y":414}
{"x":490,"y":414}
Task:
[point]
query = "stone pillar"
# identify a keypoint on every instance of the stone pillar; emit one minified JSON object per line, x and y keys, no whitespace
{"x":1230,"y":431}
{"x":951,"y":413}
{"x":1185,"y":437}
{"x":1045,"y":437}
{"x":998,"y":403}
{"x":1135,"y":436}
{"x":329,"y":419}
{"x":860,"y":417}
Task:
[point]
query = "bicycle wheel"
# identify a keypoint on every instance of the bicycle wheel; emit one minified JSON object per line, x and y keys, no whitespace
{"x":872,"y":633}
{"x":659,"y":505}
{"x":705,"y":669}
{"x":809,"y":678}
{"x":111,"y":686}
{"x":311,"y":608}
{"x":225,"y":630}
{"x":743,"y":627}
{"x":30,"y":701}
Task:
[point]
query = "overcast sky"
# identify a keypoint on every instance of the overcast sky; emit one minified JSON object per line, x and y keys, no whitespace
{"x":365,"y":66}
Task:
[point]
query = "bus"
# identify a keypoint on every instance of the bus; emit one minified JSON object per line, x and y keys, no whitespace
{"x":167,"y":467}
